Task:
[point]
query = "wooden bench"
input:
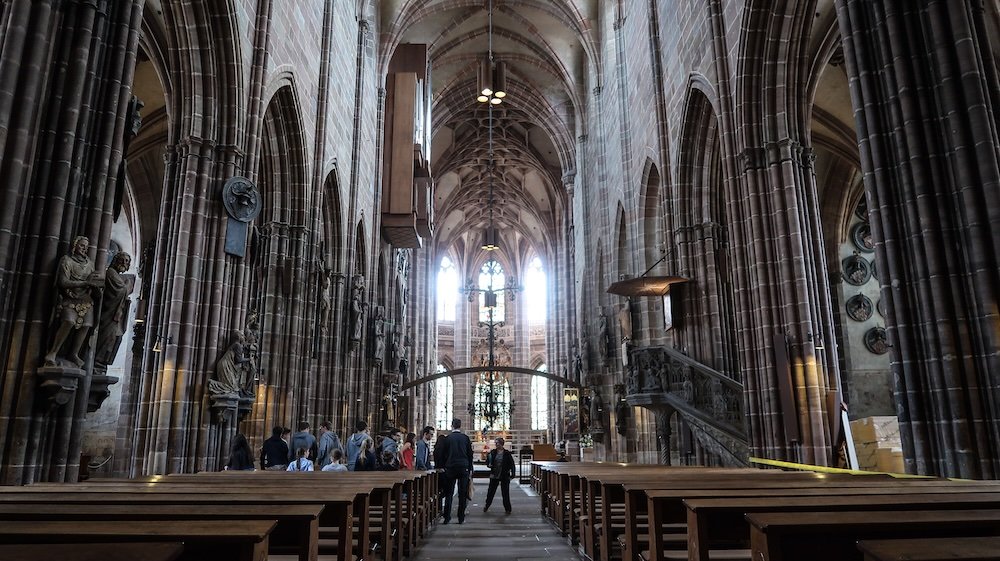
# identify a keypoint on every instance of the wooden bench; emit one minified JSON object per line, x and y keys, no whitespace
{"x":832,"y":536}
{"x":92,"y":552}
{"x":664,"y":506}
{"x":193,"y":502}
{"x":229,"y":540}
{"x":716,"y":522}
{"x":932,"y":549}
{"x":296,"y":530}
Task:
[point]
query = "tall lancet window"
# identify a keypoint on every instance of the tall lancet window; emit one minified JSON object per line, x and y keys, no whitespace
{"x":539,"y":401}
{"x":447,"y":290}
{"x":491,"y":277}
{"x":444,"y":390}
{"x":534,"y":292}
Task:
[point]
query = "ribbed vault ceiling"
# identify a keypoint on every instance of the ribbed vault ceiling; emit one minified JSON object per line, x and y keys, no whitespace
{"x":546,"y":45}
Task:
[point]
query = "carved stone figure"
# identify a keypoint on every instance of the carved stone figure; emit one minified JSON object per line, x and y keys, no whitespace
{"x":578,"y":367}
{"x":622,"y":413}
{"x":114,"y":310}
{"x":325,"y":301}
{"x":603,"y":338}
{"x":596,"y":411}
{"x":76,"y":283}
{"x":378,"y":326}
{"x":358,"y":307}
{"x":397,"y":348}
{"x":625,"y":322}
{"x":232,"y":370}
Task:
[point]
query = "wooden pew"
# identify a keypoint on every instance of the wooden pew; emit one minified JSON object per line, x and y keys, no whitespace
{"x":92,"y":552}
{"x":711,"y":521}
{"x":832,"y":536}
{"x":664,"y":505}
{"x":939,"y":549}
{"x":207,"y":497}
{"x":411,"y":516}
{"x":296,"y":528}
{"x":365,"y":494}
{"x":229,"y":540}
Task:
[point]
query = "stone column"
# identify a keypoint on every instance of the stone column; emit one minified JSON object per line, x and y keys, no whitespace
{"x":924,"y":87}
{"x":65,"y":85}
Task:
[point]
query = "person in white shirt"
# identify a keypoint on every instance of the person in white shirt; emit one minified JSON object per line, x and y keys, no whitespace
{"x":301,"y":461}
{"x":337,"y":463}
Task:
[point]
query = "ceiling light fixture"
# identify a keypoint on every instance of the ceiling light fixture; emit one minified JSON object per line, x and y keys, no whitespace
{"x":492,"y":78}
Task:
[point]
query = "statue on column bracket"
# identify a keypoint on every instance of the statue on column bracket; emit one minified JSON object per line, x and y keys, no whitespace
{"x":596,"y":411}
{"x":232,"y":371}
{"x":358,"y":308}
{"x":325,"y":299}
{"x":76,"y":284}
{"x":378,"y":326}
{"x":603,"y":338}
{"x":114,"y":310}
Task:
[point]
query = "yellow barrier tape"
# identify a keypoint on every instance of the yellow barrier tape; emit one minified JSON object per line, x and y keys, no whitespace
{"x":824,"y":469}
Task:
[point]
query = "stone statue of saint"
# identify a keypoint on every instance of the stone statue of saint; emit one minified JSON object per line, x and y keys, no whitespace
{"x":596,"y":410}
{"x":114,"y":310}
{"x":622,"y":413}
{"x":232,"y":369}
{"x":379,"y":328}
{"x":397,"y":348}
{"x":76,"y":283}
{"x":625,"y":322}
{"x":325,"y":301}
{"x":358,"y":308}
{"x":603,"y":338}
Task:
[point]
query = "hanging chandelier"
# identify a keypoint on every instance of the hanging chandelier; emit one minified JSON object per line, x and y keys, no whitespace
{"x":492,"y":77}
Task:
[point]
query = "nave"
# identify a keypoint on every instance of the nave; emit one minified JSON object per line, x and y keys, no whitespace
{"x":524,"y":535}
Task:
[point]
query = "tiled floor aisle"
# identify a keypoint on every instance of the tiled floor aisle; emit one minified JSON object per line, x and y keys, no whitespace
{"x":522,"y":536}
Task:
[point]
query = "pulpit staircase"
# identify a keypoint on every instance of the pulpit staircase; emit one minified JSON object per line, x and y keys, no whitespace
{"x":711,"y":404}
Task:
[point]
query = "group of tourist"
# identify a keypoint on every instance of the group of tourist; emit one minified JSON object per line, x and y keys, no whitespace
{"x":303,"y":451}
{"x":452,"y":458}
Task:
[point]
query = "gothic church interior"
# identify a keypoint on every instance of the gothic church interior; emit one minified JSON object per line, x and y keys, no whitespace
{"x":689,"y":232}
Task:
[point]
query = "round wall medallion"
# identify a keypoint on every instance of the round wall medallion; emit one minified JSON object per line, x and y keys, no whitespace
{"x":861,"y":211}
{"x":857,"y":271}
{"x":860,"y":307}
{"x":861,"y":236}
{"x":241,"y":199}
{"x":876,"y":341}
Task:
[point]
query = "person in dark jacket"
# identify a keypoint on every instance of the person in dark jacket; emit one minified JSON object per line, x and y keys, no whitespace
{"x":501,"y":464}
{"x":440,"y":455}
{"x":457,"y":469}
{"x":274,"y":453}
{"x":240,"y":455}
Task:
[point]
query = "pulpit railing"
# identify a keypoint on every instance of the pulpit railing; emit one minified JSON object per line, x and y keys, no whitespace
{"x":661,"y":378}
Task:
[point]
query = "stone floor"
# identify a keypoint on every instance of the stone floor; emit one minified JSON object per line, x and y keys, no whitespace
{"x":524,"y":535}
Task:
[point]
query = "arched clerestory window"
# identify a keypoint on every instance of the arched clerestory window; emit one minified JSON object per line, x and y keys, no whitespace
{"x":539,"y":401}
{"x":535,"y":292}
{"x":447,"y":290}
{"x":491,"y":277}
{"x":444,"y":390}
